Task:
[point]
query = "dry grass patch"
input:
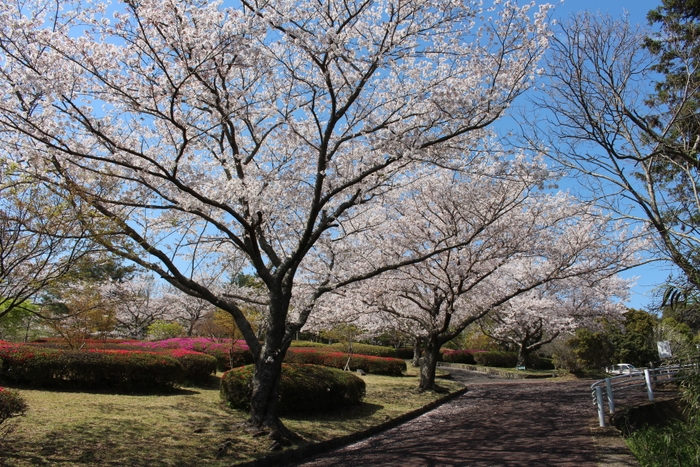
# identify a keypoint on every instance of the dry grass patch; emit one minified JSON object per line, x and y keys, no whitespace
{"x":186,"y":428}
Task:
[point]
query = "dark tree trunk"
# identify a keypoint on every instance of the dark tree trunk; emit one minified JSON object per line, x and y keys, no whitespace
{"x":265,"y":397}
{"x":268,"y":369}
{"x":416,"y":352}
{"x":429,"y":364}
{"x":523,"y":353}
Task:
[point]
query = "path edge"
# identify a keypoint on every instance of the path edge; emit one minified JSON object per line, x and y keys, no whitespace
{"x":303,"y":452}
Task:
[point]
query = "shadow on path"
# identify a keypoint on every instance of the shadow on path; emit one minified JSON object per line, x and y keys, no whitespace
{"x":496,"y":423}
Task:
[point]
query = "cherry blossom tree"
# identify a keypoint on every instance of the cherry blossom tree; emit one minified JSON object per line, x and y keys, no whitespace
{"x":186,"y":309}
{"x":138,"y":302}
{"x":204,"y":137}
{"x":530,"y":320}
{"x":514,"y":239}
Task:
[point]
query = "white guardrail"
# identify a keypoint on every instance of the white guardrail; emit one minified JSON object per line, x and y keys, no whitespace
{"x":642,"y":378}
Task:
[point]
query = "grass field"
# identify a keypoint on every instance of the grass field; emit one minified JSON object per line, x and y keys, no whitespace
{"x":185,"y":428}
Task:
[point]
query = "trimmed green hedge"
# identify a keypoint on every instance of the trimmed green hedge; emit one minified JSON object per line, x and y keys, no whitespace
{"x":497,"y":359}
{"x":459,"y":356}
{"x":303,"y":388}
{"x":404,"y":353}
{"x":197,"y":366}
{"x":368,"y":364}
{"x":120,"y":370}
{"x":308,"y":344}
{"x":366,"y":349}
{"x":233,"y":357}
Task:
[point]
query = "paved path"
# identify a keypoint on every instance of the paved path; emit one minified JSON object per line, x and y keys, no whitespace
{"x":496,"y":423}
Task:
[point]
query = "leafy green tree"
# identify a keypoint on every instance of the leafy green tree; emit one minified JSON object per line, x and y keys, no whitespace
{"x":81,"y":303}
{"x":633,"y":340}
{"x":161,"y":329}
{"x":635,"y":343}
{"x":687,"y":312}
{"x":676,"y":47}
{"x":679,"y":336}
{"x":563,"y":352}
{"x":677,"y":50}
{"x":90,"y":269}
{"x":594,"y":349}
{"x":21,"y":323}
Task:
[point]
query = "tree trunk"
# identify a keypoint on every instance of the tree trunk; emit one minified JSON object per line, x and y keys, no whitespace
{"x":522,"y":355}
{"x":265,"y":396}
{"x":429,"y":364}
{"x":416,"y":352}
{"x":268,"y":369}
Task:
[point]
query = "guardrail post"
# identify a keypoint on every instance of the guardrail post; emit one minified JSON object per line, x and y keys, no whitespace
{"x":650,"y":389}
{"x":611,"y":402}
{"x":599,"y":401}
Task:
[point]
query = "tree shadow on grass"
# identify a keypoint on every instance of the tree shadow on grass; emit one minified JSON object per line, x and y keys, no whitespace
{"x":353,"y":412}
{"x":177,"y":391}
{"x":90,"y":445}
{"x":213,"y":382}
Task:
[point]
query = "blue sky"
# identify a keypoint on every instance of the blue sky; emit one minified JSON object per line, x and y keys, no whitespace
{"x":654,"y":274}
{"x":637,"y":9}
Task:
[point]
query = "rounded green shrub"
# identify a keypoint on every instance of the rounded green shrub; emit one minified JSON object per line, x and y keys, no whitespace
{"x":536,"y":362}
{"x":303,"y":388}
{"x":11,"y":405}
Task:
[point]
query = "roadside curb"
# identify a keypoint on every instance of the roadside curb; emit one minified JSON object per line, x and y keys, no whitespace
{"x":298,"y":454}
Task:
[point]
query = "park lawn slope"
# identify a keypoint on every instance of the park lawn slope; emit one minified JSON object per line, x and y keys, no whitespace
{"x":183,"y":428}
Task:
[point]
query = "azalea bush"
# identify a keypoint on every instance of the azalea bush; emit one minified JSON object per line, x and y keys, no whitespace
{"x":197,"y":365}
{"x":59,"y":342}
{"x":119,"y":370}
{"x":228,"y":354}
{"x":369,"y":364}
{"x":303,"y":388}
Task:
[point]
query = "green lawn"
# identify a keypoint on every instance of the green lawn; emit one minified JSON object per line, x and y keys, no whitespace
{"x":182,"y":429}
